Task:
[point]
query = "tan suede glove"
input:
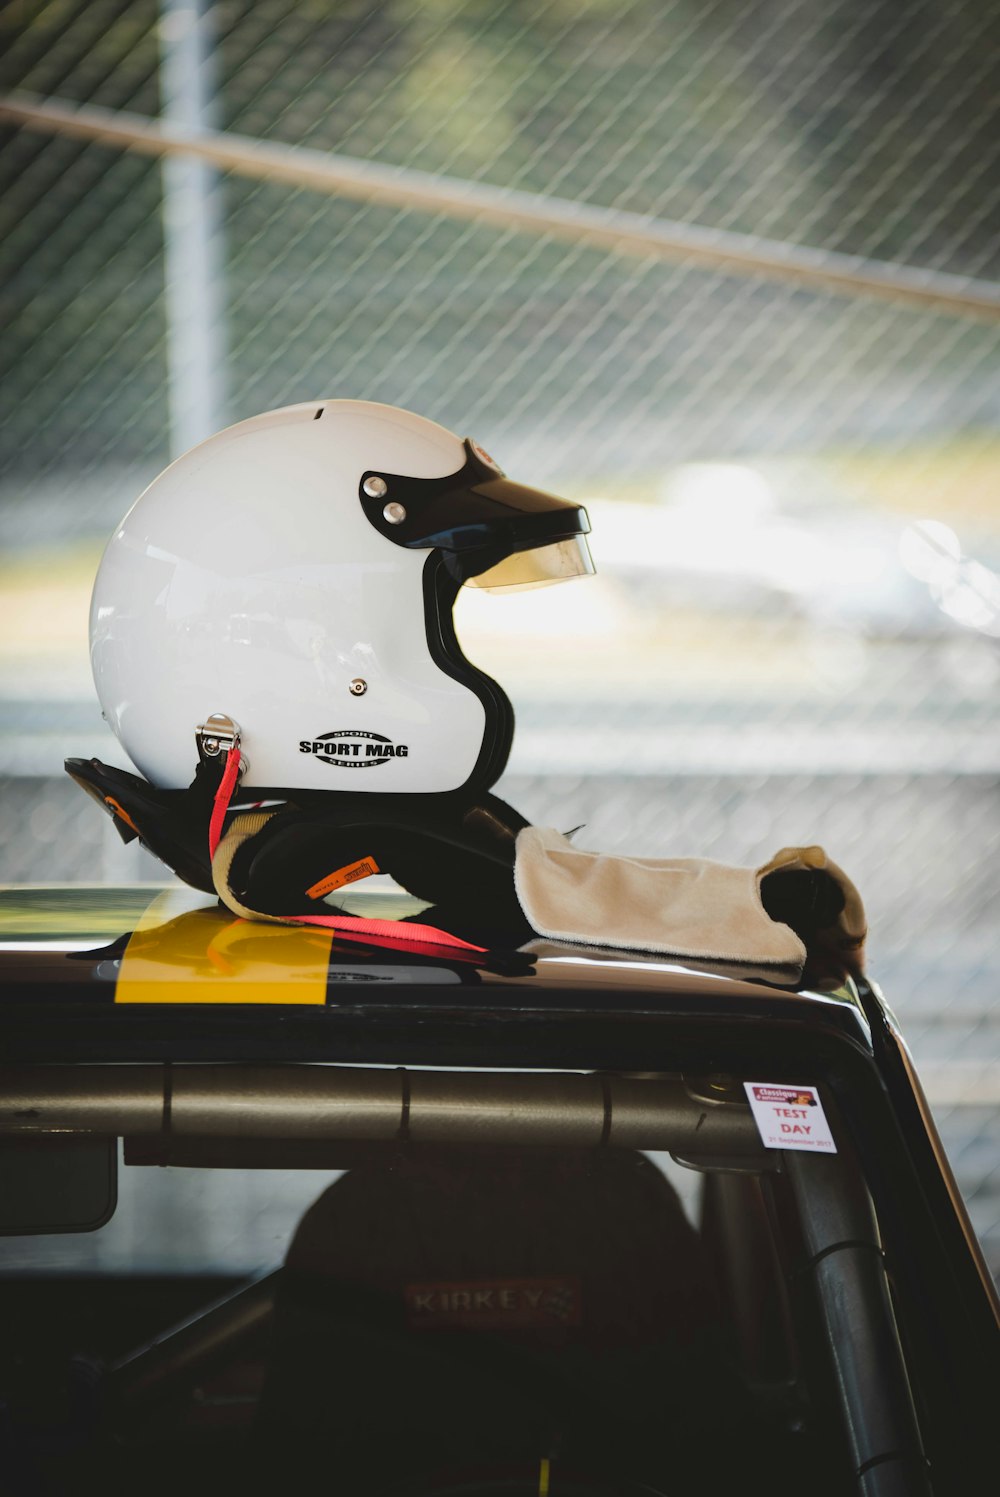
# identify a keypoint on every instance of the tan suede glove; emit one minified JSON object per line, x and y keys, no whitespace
{"x":798,"y":913}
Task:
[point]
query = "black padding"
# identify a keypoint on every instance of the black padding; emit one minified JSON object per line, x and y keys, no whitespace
{"x":807,"y":899}
{"x":621,"y":1350}
{"x":454,"y":854}
{"x":441,"y":588}
{"x":173,"y":824}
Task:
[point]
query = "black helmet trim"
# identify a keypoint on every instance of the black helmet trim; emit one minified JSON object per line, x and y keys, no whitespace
{"x":441,"y":588}
{"x":476,"y":515}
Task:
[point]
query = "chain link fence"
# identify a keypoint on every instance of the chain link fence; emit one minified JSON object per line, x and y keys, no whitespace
{"x":795,"y":634}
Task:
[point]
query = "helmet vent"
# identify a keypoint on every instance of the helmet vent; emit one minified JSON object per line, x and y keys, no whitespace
{"x":318,"y":414}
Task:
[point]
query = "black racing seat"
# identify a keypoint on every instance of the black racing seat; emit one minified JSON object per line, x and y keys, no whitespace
{"x":450,"y":1315}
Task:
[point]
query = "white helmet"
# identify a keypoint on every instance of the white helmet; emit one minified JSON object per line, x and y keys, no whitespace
{"x":296,"y":574}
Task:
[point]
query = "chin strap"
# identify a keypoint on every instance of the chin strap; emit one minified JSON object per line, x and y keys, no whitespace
{"x":224,"y":845}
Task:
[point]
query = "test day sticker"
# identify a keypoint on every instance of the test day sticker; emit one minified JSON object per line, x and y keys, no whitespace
{"x":789,"y":1117}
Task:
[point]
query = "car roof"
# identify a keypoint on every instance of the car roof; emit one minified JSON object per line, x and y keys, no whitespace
{"x":162,"y":971}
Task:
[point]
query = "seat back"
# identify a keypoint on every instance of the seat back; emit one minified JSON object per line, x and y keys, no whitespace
{"x":470,"y":1309}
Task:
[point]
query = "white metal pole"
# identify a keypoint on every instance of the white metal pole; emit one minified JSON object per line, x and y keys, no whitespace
{"x":192,"y":230}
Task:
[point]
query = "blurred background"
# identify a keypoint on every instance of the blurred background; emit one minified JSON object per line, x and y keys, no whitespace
{"x":794,"y":635}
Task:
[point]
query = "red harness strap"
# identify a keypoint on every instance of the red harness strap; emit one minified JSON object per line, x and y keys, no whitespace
{"x":402,"y":934}
{"x":223,"y":796}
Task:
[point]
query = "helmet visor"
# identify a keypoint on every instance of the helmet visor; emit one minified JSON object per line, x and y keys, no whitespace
{"x":539,"y":567}
{"x":480,"y":520}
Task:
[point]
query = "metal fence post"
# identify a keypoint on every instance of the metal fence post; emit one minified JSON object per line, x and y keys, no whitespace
{"x":192,"y":231}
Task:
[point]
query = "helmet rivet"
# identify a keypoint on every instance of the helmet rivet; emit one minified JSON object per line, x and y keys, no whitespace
{"x":394,"y":513}
{"x":358,"y":687}
{"x":375,"y":487}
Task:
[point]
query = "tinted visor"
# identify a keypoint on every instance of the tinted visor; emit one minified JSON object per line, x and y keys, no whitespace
{"x":539,"y":567}
{"x":478,"y":518}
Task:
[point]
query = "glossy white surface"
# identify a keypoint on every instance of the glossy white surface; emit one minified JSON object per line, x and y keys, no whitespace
{"x":246,"y":580}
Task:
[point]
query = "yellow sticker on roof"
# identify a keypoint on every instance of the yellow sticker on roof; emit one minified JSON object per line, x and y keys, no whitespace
{"x":185,"y":950}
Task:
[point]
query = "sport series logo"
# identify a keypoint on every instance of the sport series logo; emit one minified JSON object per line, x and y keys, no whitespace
{"x":353,"y":748}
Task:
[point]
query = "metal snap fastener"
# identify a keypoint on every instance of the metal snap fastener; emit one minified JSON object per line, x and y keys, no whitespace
{"x":375,"y":487}
{"x":394,"y":513}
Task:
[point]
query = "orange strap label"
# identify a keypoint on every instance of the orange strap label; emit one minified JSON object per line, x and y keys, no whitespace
{"x":350,"y":874}
{"x":120,"y":811}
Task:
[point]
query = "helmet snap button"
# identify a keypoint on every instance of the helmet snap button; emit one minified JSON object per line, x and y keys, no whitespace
{"x":394,"y":513}
{"x":358,"y":687}
{"x":375,"y":487}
